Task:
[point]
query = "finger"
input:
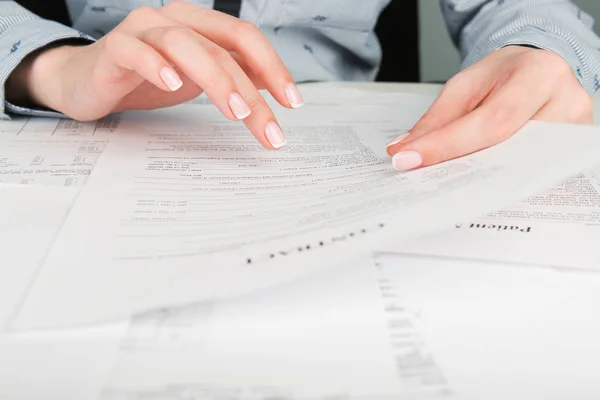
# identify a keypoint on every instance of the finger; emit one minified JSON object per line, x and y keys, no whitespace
{"x":261,"y":122}
{"x":256,"y":80}
{"x":184,"y":48}
{"x":154,"y":27}
{"x":500,"y":116}
{"x":148,"y":97}
{"x":247,"y":41}
{"x":132,"y":55}
{"x":460,"y":95}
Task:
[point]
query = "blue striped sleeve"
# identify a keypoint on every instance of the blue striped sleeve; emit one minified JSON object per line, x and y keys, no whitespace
{"x":479,"y":27}
{"x":21,"y":33}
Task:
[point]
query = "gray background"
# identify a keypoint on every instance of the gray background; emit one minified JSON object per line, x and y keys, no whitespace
{"x":439,"y":58}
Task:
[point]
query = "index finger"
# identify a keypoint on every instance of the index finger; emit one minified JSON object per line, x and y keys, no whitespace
{"x":498,"y":118}
{"x":247,"y":41}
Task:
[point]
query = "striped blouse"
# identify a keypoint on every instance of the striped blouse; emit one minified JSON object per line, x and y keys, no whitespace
{"x":324,"y":40}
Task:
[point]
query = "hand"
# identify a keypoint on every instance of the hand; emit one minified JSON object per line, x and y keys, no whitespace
{"x":488,"y":102}
{"x":162,"y":57}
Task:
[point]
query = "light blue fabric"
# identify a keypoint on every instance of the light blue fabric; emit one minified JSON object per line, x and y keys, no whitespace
{"x":323,"y":40}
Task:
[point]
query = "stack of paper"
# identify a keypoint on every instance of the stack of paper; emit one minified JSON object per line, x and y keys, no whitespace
{"x":251,"y":274}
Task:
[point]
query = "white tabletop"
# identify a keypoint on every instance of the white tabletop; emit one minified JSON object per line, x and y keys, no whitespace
{"x":433,"y":90}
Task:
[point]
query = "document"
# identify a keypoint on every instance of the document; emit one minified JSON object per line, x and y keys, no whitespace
{"x":52,"y":161}
{"x":30,"y":219}
{"x":324,"y":336}
{"x":169,"y":327}
{"x":503,"y":331}
{"x":55,"y":127}
{"x":187,"y":207}
{"x":33,"y":369}
{"x":558,"y":227}
{"x":51,"y":151}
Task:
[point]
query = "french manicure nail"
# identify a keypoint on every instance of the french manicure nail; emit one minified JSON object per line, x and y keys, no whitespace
{"x":293,"y":95}
{"x":275,"y":135}
{"x":398,"y":139}
{"x":170,"y":78}
{"x":406,"y":160}
{"x":238,"y":106}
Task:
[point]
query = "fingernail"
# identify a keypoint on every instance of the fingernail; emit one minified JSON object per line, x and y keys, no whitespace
{"x":275,"y":135}
{"x":398,"y":139}
{"x":238,"y":106}
{"x":406,"y":160}
{"x":293,"y":95}
{"x":170,"y":78}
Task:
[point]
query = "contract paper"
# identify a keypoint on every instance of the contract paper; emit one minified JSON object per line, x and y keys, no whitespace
{"x":558,"y":227}
{"x":65,"y":369}
{"x":186,"y":206}
{"x":30,"y":219}
{"x":503,"y":331}
{"x":51,"y":151}
{"x":328,"y":335}
{"x":43,"y":164}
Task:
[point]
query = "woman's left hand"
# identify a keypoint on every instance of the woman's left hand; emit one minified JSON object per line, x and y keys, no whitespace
{"x":488,"y":102}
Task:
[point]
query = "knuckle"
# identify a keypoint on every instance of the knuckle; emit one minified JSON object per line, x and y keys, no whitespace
{"x":221,"y":55}
{"x":142,"y":13}
{"x":113,"y":47}
{"x":146,"y":59}
{"x":176,"y":6}
{"x":247,"y":30}
{"x":173,"y":34}
{"x":462,"y":82}
{"x":458,"y":80}
{"x":112,"y":40}
{"x":217,"y":80}
{"x":255,"y":101}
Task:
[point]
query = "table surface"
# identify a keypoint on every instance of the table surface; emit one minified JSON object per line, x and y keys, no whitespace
{"x":431,"y":89}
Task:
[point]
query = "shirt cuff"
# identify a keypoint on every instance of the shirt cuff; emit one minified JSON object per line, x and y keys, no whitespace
{"x":18,"y":42}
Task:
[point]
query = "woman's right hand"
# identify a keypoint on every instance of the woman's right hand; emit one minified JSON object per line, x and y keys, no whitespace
{"x":162,"y":57}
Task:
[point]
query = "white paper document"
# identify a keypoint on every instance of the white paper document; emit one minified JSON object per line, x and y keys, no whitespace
{"x":51,"y":151}
{"x":30,"y":219}
{"x":43,"y":164}
{"x":184,"y":206}
{"x":558,"y":227}
{"x":500,"y":331}
{"x":325,"y":336}
{"x":65,"y":369}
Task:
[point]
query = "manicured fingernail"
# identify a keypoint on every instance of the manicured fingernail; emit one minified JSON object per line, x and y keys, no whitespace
{"x":293,"y":95}
{"x":406,"y":160}
{"x":238,"y":106}
{"x":275,"y":135}
{"x":170,"y":78}
{"x":398,"y":139}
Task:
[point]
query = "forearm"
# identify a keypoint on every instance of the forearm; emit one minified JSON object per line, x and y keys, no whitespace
{"x":23,"y":37}
{"x":481,"y":27}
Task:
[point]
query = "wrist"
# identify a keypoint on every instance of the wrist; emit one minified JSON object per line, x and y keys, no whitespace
{"x":36,"y":82}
